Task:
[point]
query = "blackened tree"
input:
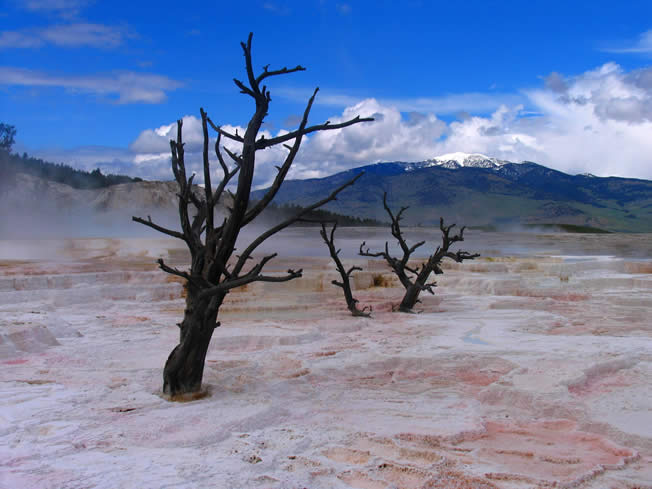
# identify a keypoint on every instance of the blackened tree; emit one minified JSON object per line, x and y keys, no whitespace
{"x":215,"y":269}
{"x":415,"y":280}
{"x":7,"y":135}
{"x":345,"y":282}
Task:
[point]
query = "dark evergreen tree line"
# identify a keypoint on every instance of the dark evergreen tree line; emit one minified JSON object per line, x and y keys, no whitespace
{"x":317,"y":216}
{"x":11,"y":164}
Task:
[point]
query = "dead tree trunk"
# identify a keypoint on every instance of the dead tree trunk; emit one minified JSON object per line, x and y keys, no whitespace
{"x":214,"y":269}
{"x":345,"y":284}
{"x":184,"y":368}
{"x":415,"y":280}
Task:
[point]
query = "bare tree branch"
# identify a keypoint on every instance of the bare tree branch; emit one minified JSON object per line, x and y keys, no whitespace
{"x":419,"y":283}
{"x":365,"y":251}
{"x":270,"y":232}
{"x":207,"y":172}
{"x":243,"y":88}
{"x":345,"y":284}
{"x":398,"y":265}
{"x":283,"y":170}
{"x":239,"y":282}
{"x":212,"y":248}
{"x":160,"y":229}
{"x":248,"y":64}
{"x":237,"y":159}
{"x":297,"y":136}
{"x":172,"y":271}
{"x":254,"y":275}
{"x":228,"y":174}
{"x":282,"y":71}
{"x":327,"y":126}
{"x":222,"y":132}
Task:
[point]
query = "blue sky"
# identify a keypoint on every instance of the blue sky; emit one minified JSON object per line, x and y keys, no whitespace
{"x":567,"y":84}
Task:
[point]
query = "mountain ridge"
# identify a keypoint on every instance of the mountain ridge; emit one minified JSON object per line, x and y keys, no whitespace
{"x":498,"y":195}
{"x":501,"y":194}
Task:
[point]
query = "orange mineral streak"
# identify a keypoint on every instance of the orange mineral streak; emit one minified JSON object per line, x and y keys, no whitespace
{"x":547,"y":451}
{"x":519,"y":373}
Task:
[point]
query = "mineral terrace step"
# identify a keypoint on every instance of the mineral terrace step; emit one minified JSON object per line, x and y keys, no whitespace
{"x":70,"y":280}
{"x":95,"y":293}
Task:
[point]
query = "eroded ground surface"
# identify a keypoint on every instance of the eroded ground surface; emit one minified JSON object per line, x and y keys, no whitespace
{"x":522,"y":372}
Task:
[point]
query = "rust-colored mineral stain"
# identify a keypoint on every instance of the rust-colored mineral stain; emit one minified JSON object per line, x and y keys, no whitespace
{"x":551,"y":451}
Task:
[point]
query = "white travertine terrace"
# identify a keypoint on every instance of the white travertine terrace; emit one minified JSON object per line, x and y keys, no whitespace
{"x":529,"y":368}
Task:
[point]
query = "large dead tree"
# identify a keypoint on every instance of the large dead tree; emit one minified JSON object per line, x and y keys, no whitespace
{"x":215,"y":269}
{"x":345,"y":282}
{"x":415,"y":280}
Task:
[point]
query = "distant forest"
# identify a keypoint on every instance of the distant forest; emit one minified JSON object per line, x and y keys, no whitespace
{"x":11,"y":164}
{"x":315,"y":217}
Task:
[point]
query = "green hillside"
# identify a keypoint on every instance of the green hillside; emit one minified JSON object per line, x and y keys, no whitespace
{"x":513,"y":195}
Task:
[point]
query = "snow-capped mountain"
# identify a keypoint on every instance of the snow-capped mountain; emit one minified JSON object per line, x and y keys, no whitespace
{"x":450,"y":161}
{"x":481,"y":190}
{"x":458,"y":160}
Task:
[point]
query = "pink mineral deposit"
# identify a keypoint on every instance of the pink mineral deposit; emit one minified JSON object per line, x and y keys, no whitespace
{"x":522,"y":372}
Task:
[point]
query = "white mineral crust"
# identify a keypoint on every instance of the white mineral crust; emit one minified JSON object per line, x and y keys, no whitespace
{"x":528,"y":368}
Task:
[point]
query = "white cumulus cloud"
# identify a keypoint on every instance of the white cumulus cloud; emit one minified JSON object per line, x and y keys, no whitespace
{"x":151,"y":149}
{"x":598,"y":122}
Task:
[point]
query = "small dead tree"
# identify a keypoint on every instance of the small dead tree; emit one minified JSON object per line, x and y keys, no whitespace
{"x":345,"y":284}
{"x":214,"y":269}
{"x":415,"y":280}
